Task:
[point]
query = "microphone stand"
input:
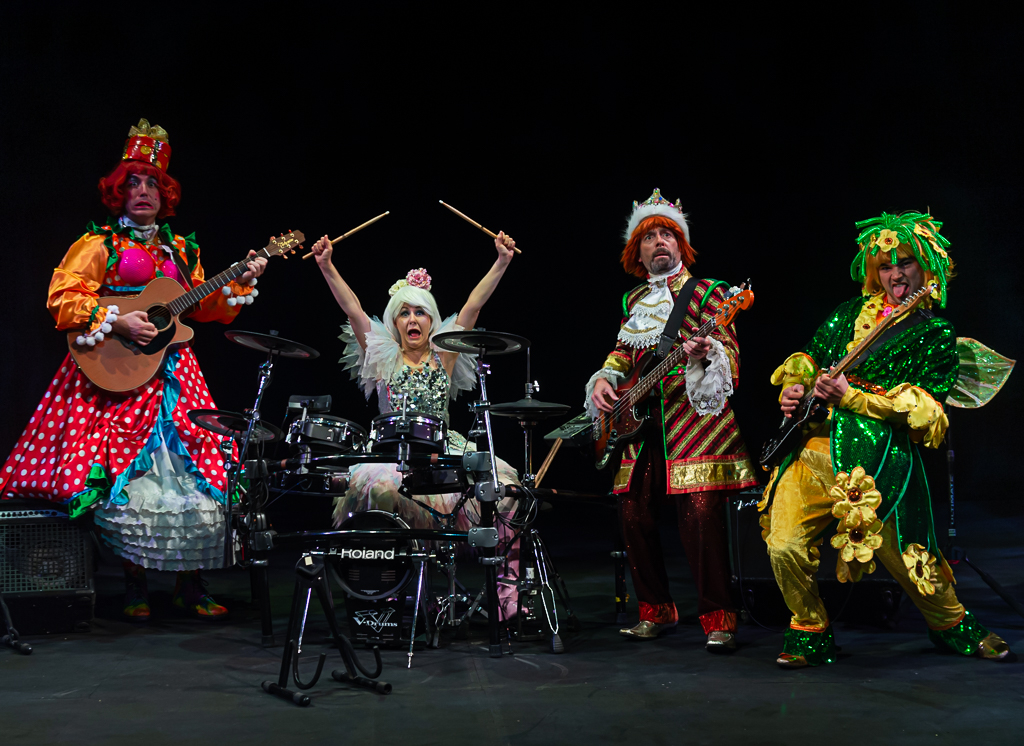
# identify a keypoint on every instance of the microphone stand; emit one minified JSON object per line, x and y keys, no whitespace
{"x":955,"y":553}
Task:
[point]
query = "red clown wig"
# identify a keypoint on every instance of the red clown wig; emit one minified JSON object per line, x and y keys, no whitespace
{"x":631,"y":254}
{"x":112,"y":187}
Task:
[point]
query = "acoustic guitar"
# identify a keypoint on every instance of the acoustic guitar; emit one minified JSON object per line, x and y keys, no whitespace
{"x":811,"y":409}
{"x":610,"y":432}
{"x":119,"y":364}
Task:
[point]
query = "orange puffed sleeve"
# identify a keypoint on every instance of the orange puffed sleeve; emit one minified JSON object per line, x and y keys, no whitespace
{"x":74,"y":286}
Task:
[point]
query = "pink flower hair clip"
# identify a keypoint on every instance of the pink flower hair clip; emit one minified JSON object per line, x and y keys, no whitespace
{"x":419,"y":278}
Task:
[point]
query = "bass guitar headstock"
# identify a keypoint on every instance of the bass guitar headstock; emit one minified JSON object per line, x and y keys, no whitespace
{"x":737,"y":299}
{"x":283,"y":245}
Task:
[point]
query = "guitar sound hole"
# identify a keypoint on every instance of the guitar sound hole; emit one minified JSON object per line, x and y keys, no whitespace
{"x":159,"y":316}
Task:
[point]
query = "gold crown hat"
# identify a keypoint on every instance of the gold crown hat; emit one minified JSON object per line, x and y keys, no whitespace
{"x":657,"y":205}
{"x":147,"y":144}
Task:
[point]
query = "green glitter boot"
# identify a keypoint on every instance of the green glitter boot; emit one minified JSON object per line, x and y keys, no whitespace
{"x":803,"y":648}
{"x":970,"y":638}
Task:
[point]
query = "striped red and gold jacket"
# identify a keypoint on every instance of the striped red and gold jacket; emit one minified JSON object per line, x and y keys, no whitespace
{"x":702,"y":452}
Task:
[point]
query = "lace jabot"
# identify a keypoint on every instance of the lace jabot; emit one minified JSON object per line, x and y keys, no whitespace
{"x":649,"y":315}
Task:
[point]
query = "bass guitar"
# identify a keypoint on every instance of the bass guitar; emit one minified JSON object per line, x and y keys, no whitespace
{"x":612,"y":431}
{"x":811,"y":409}
{"x":118,"y":364}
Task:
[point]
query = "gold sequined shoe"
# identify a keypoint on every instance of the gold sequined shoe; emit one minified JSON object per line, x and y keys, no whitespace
{"x":645,"y":630}
{"x":785,"y":660}
{"x":721,"y":641}
{"x":993,"y":648}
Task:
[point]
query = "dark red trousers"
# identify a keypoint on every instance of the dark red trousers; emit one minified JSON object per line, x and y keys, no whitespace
{"x":702,"y":530}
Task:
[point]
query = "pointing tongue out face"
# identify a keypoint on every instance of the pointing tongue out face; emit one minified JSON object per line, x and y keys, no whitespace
{"x":901,"y":280}
{"x":414,"y":325}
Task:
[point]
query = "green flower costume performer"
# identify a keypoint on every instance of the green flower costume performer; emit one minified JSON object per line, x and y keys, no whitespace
{"x":695,"y":455}
{"x":862,"y":465}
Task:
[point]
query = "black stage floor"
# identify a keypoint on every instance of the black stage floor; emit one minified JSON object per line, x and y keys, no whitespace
{"x":183,"y":681}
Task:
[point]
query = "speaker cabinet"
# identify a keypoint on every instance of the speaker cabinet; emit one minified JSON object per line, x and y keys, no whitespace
{"x":45,"y":569}
{"x":876,"y":599}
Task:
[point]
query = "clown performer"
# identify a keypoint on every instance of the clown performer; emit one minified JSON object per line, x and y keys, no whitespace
{"x":693,"y":452}
{"x":157,"y":483}
{"x":396,"y":358}
{"x":858,"y":475}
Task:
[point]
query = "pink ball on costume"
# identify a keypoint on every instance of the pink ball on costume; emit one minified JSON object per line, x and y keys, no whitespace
{"x":170,"y":269}
{"x":135,"y":267}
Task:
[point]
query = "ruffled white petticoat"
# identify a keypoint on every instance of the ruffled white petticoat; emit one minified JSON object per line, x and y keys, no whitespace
{"x":167,"y":524}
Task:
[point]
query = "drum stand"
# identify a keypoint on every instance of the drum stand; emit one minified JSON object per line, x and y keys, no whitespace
{"x":310,"y":576}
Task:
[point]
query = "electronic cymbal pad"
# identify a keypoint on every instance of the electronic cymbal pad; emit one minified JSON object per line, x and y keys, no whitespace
{"x":272,"y":343}
{"x":233,"y":425}
{"x":480,"y":342}
{"x":529,"y":409}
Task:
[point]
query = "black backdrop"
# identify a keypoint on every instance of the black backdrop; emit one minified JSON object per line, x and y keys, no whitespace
{"x":777,"y":129}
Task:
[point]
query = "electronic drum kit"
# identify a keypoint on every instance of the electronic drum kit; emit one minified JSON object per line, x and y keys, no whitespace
{"x":371,"y":555}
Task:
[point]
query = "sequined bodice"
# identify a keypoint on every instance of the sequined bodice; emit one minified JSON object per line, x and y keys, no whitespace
{"x":426,"y":387}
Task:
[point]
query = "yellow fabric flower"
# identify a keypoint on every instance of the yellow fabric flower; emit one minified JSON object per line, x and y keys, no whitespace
{"x":853,"y":571}
{"x":921,"y":566}
{"x":888,"y":240}
{"x":855,"y":499}
{"x":858,"y":543}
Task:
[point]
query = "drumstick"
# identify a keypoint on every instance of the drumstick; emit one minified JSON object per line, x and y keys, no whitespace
{"x":547,"y":462}
{"x":473,"y":222}
{"x":354,"y":230}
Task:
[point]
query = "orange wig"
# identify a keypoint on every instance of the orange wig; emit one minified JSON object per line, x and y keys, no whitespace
{"x":112,"y":187}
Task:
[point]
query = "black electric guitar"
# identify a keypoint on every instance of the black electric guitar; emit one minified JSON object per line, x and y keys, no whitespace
{"x":811,"y":409}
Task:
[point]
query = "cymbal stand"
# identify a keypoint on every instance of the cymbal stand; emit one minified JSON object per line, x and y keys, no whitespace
{"x":259,"y":580}
{"x":488,"y":491}
{"x":537,"y":570}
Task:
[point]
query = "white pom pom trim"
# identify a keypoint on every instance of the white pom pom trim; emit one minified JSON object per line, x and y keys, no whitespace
{"x":241,"y":300}
{"x":89,"y":339}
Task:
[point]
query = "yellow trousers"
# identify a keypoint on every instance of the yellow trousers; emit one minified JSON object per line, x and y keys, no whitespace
{"x":795,"y":527}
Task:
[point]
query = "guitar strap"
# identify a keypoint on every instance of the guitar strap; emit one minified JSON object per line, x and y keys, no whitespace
{"x":186,"y":276}
{"x":900,"y":326}
{"x":675,"y":319}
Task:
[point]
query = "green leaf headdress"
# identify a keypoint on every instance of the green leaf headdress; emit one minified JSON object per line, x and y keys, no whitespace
{"x":919,"y":232}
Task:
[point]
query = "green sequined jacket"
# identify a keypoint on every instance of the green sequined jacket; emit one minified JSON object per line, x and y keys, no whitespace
{"x":923,"y":355}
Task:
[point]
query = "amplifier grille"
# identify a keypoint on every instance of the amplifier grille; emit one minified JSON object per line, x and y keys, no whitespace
{"x":42,"y":555}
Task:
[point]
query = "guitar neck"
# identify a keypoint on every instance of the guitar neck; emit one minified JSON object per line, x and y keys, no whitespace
{"x":185,"y":301}
{"x":645,"y":384}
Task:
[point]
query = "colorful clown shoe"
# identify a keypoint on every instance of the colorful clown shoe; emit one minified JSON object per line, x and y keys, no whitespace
{"x":136,"y":595}
{"x":803,"y":647}
{"x":190,"y":596}
{"x":968,"y":637}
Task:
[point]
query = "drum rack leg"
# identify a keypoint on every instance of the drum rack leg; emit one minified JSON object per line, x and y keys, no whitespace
{"x":310,"y":576}
{"x":259,"y":584}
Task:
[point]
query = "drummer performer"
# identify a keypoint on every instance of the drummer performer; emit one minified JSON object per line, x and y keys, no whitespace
{"x":694,"y":455}
{"x":396,"y":358}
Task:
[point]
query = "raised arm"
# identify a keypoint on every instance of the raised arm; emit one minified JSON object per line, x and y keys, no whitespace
{"x":485,"y":288}
{"x":342,"y":292}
